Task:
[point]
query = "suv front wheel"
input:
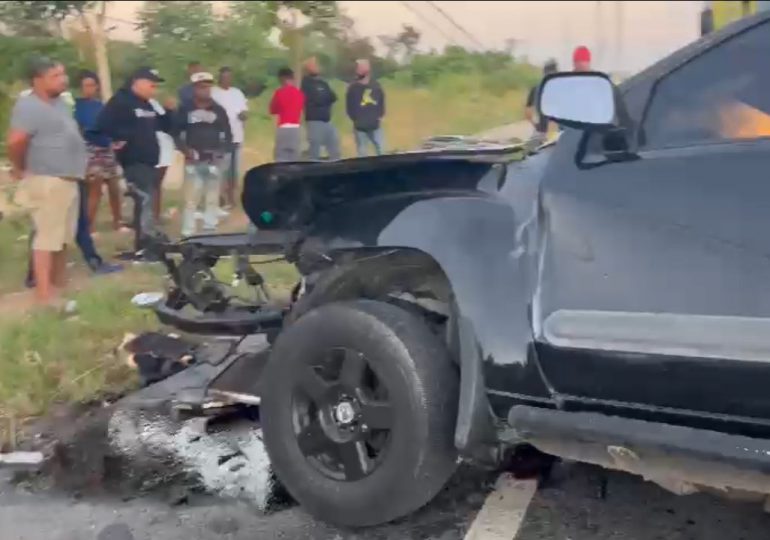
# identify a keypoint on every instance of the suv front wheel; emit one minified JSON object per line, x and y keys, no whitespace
{"x":358,"y":412}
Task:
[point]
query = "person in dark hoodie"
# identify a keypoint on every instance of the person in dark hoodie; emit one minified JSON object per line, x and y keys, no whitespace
{"x":203,"y":135}
{"x":131,"y":121}
{"x":365,"y":104}
{"x":319,"y":98}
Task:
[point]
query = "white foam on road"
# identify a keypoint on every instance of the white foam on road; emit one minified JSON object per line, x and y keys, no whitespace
{"x":504,"y":510}
{"x":232,"y":463}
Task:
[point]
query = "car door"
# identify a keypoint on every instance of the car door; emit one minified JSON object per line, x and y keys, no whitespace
{"x":655,"y":278}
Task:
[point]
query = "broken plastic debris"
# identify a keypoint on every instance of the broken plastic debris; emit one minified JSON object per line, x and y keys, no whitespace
{"x":22,"y":459}
{"x":147,"y":299}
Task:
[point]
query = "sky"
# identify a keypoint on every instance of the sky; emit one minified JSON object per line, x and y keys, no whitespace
{"x":540,"y":30}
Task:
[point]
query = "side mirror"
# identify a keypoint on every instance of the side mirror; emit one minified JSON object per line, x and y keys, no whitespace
{"x":583,"y":100}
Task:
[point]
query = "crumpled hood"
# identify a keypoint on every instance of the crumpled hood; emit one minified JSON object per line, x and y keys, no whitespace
{"x":288,"y":195}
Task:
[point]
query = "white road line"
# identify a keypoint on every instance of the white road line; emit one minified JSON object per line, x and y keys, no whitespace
{"x":503,"y":512}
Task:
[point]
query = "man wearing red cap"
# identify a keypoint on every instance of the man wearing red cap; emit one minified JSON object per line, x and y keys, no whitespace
{"x":581,"y":59}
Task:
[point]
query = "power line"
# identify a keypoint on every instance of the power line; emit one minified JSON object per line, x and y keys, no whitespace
{"x":430,"y":23}
{"x":456,"y":24}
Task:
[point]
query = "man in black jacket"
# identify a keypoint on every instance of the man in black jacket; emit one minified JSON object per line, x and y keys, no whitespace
{"x":319,"y":98}
{"x":131,"y":121}
{"x":203,"y":135}
{"x":365,"y":104}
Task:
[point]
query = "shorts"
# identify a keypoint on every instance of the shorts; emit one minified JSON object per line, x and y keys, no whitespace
{"x":102,"y":165}
{"x":54,"y":204}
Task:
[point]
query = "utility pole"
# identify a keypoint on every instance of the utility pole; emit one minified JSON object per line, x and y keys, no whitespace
{"x":598,"y":54}
{"x":619,"y":18}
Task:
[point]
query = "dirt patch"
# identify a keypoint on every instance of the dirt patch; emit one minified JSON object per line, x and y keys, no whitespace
{"x":73,"y":439}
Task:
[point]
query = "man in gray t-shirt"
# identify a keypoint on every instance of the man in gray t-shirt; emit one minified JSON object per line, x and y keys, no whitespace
{"x":48,"y":157}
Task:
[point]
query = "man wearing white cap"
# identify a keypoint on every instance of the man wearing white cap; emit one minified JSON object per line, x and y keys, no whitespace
{"x":203,"y":135}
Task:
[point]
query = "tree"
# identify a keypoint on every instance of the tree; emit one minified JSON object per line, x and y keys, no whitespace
{"x":179,"y":32}
{"x":33,"y":18}
{"x":403,"y":45}
{"x":36,"y":17}
{"x":289,"y":15}
{"x":181,"y":21}
{"x":409,"y":38}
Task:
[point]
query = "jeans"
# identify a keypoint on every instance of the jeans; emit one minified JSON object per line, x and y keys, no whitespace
{"x":232,"y":167}
{"x":201,"y":179}
{"x":142,"y":182}
{"x":363,"y":138}
{"x":288,"y":142}
{"x":83,"y":235}
{"x":323,"y":135}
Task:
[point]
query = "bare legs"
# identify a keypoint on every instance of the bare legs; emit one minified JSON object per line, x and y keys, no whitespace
{"x":50,"y":275}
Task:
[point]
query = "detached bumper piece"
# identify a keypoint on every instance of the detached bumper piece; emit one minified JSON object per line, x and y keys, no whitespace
{"x":681,"y":459}
{"x":231,"y":322}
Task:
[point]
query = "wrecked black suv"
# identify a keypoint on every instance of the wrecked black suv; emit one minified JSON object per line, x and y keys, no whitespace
{"x":603,"y":299}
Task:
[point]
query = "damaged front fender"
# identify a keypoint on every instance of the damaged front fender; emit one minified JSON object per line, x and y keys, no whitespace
{"x":454,"y":209}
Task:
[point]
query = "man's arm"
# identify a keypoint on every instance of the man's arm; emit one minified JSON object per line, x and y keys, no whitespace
{"x":17,"y":143}
{"x":224,"y":128}
{"x":350,"y":103}
{"x":274,"y":106}
{"x":179,"y":131}
{"x":380,"y":100}
{"x":166,"y":122}
{"x":24,"y":125}
{"x":244,"y":112}
{"x":115,"y":122}
{"x":332,"y":95}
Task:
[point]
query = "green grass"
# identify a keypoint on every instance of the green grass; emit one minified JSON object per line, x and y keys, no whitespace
{"x":46,"y":358}
{"x":14,"y":239}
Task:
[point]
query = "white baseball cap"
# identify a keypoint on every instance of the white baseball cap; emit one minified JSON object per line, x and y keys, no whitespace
{"x":201,"y":76}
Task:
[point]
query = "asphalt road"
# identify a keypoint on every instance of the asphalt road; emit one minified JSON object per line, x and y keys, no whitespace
{"x":570,"y":510}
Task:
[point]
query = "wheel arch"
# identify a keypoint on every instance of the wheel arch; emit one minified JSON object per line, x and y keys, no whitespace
{"x":414,"y":280}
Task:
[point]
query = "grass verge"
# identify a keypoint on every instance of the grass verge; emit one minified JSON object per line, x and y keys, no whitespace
{"x":46,"y":358}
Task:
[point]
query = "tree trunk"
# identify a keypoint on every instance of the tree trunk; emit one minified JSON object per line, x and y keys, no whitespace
{"x":94,"y":23}
{"x":297,"y":42}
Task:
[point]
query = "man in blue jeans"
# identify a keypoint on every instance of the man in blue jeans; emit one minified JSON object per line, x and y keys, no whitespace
{"x":365,"y":105}
{"x":319,"y":99}
{"x":203,"y":135}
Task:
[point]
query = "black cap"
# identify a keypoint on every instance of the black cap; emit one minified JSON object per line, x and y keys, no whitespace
{"x":147,"y":73}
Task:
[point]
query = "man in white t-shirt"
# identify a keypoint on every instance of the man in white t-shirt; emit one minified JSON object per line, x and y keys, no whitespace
{"x":234,"y":103}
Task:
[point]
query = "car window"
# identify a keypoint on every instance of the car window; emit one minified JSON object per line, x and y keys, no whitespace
{"x":721,"y":95}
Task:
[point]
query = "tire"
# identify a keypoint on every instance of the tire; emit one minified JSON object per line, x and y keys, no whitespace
{"x":350,"y":473}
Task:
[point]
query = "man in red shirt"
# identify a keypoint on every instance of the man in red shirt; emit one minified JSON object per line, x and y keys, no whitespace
{"x":287,"y":104}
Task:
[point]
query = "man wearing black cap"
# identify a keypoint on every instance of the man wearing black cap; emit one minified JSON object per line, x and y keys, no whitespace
{"x":131,"y":121}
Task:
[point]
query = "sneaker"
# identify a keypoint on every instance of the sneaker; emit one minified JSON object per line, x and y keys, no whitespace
{"x":138,"y":257}
{"x":199,"y":216}
{"x":221,"y":213}
{"x":104,"y":269}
